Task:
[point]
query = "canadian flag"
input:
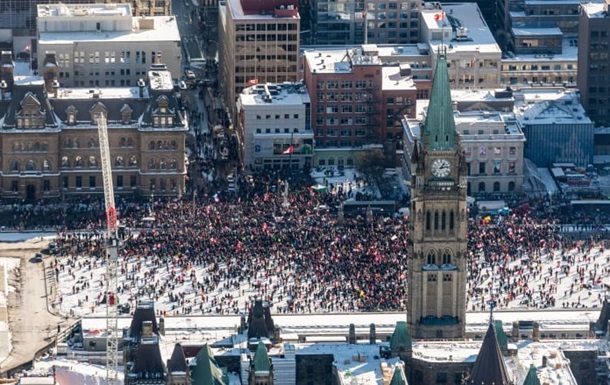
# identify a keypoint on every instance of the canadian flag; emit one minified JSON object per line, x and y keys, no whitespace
{"x":439,"y":16}
{"x":252,"y":82}
{"x":289,"y":150}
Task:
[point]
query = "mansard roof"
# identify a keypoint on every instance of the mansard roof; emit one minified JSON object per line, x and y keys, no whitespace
{"x":9,"y":108}
{"x":148,"y":362}
{"x":261,"y":361}
{"x":401,"y":337}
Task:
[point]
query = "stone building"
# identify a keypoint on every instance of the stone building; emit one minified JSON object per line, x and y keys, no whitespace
{"x":438,"y":244}
{"x":49,"y":141}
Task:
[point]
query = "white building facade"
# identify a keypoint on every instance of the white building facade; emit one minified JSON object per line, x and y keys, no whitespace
{"x":274,"y":129}
{"x":103,"y":45}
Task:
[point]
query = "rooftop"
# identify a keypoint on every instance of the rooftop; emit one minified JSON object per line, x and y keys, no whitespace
{"x":262,"y":10}
{"x":83,"y":10}
{"x":569,"y":52}
{"x":100,"y":93}
{"x":597,"y":10}
{"x":341,"y":60}
{"x":468,"y":19}
{"x":549,"y":105}
{"x":275,"y":94}
{"x":164,"y":28}
{"x":393,"y":80}
{"x":522,"y":32}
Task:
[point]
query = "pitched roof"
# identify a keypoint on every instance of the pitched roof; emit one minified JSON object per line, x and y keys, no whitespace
{"x":177,"y":362}
{"x":440,"y":124}
{"x":489,"y":368}
{"x":140,"y":315}
{"x":148,"y":362}
{"x":604,"y":317}
{"x":501,"y":336}
{"x":259,"y":321}
{"x":261,"y":359}
{"x":532,"y":377}
{"x":401,"y":337}
{"x":206,"y":371}
{"x":398,"y":378}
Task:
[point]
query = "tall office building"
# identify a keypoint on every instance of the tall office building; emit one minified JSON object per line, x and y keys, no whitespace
{"x":258,"y":43}
{"x":593,"y":61}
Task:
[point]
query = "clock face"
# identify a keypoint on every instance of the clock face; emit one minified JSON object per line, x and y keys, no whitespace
{"x":441,"y":168}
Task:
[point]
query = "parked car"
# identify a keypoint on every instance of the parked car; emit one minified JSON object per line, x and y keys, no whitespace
{"x":38,"y":257}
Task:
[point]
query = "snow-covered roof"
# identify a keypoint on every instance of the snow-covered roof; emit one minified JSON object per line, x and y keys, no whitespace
{"x":100,"y":93}
{"x":569,"y":53}
{"x":594,"y":9}
{"x":523,"y":32}
{"x":393,"y":80}
{"x":285,"y":94}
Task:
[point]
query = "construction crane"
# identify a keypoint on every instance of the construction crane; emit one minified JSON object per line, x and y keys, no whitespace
{"x":112,"y":251}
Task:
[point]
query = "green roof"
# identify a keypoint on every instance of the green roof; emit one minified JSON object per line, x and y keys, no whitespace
{"x":398,"y":378}
{"x":501,"y":336}
{"x":400,"y":337}
{"x":261,"y":359}
{"x":206,"y":372}
{"x":532,"y":377}
{"x":439,"y":126}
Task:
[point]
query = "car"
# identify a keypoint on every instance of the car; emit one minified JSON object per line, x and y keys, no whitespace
{"x":53,"y":248}
{"x":38,"y":257}
{"x":190,"y":75}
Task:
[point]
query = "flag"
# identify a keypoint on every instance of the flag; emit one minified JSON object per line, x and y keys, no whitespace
{"x":27,"y":48}
{"x":439,"y":16}
{"x":472,"y":61}
{"x":252,"y":82}
{"x":364,"y":14}
{"x":289,"y":150}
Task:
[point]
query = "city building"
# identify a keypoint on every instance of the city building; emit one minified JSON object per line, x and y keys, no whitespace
{"x":555,"y":125}
{"x":437,"y":240}
{"x":593,"y":61}
{"x":535,"y":64}
{"x":258,"y":43}
{"x":473,"y":56}
{"x":49,"y":136}
{"x":274,"y":128}
{"x":18,"y":17}
{"x":392,"y":22}
{"x":356,"y":101}
{"x":103,"y":45}
{"x":534,"y":14}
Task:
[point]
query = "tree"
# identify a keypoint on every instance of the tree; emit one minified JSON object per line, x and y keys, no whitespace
{"x":371,"y":163}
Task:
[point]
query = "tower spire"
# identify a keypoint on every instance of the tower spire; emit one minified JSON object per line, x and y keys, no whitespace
{"x":439,"y":126}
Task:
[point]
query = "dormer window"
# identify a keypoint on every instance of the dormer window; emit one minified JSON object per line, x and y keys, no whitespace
{"x":96,"y":110}
{"x":126,"y":112}
{"x":71,"y":112}
{"x":31,"y":115}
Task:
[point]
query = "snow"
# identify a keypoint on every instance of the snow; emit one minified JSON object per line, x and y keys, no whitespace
{"x":6,"y":266}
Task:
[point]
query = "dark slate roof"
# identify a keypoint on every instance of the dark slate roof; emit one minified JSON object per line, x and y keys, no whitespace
{"x":532,"y":377}
{"x":259,"y":321}
{"x":18,"y":93}
{"x":440,"y":122}
{"x":604,"y":316}
{"x":206,"y":371}
{"x":148,"y":362}
{"x":139,"y":316}
{"x":113,"y":107}
{"x":489,"y":368}
{"x":401,"y":337}
{"x":261,"y":361}
{"x":177,"y":362}
{"x":398,"y":378}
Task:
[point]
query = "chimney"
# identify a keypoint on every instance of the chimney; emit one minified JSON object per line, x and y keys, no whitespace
{"x":372,"y":335}
{"x":6,"y":68}
{"x":147,"y":329}
{"x":536,"y":331}
{"x":3,"y":88}
{"x":49,"y":70}
{"x":141,"y":85}
{"x":351,"y":337}
{"x":242,"y":323}
{"x":277,"y":338}
{"x":515,"y":331}
{"x":162,"y":326}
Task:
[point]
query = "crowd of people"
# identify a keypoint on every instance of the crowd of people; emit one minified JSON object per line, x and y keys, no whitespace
{"x":216,"y":254}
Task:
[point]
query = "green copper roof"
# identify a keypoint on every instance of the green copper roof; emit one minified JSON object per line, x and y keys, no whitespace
{"x":400,"y":337}
{"x":502,"y":340}
{"x":206,"y":372}
{"x":398,"y":378}
{"x":532,"y":377}
{"x":261,"y":359}
{"x":440,"y":124}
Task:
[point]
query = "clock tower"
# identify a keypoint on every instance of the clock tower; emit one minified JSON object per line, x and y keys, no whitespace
{"x":437,"y":237}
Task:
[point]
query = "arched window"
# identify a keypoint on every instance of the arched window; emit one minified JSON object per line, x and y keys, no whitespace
{"x":431,"y":258}
{"x":46,"y":165}
{"x":496,"y":186}
{"x":428,"y":220}
{"x":129,"y":142}
{"x":30,"y":165}
{"x":443,"y":220}
{"x":133,"y":161}
{"x":120,"y":161}
{"x":451,"y":220}
{"x":37,"y":146}
{"x":173,"y":164}
{"x":14,"y":165}
{"x":78,"y":162}
{"x":447,"y":257}
{"x":123,"y":142}
{"x":481,"y":186}
{"x":151,"y":145}
{"x":436,"y":220}
{"x":92,"y":161}
{"x":151,"y":164}
{"x":91,"y":143}
{"x":162,"y":164}
{"x":511,"y":186}
{"x":65,"y":162}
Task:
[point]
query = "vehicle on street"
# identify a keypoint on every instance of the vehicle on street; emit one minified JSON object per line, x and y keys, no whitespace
{"x":38,"y":257}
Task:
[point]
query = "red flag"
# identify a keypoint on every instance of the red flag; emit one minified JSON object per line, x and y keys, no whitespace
{"x":289,"y":150}
{"x":439,"y":16}
{"x":252,"y":82}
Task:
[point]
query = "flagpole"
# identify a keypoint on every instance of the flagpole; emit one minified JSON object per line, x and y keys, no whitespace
{"x":291,"y":151}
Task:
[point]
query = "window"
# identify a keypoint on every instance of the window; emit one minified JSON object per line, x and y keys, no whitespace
{"x":496,"y":186}
{"x":497,"y":167}
{"x":92,"y":181}
{"x":512,"y":151}
{"x":482,"y":149}
{"x":482,"y":168}
{"x":481,"y":186}
{"x":79,"y":182}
